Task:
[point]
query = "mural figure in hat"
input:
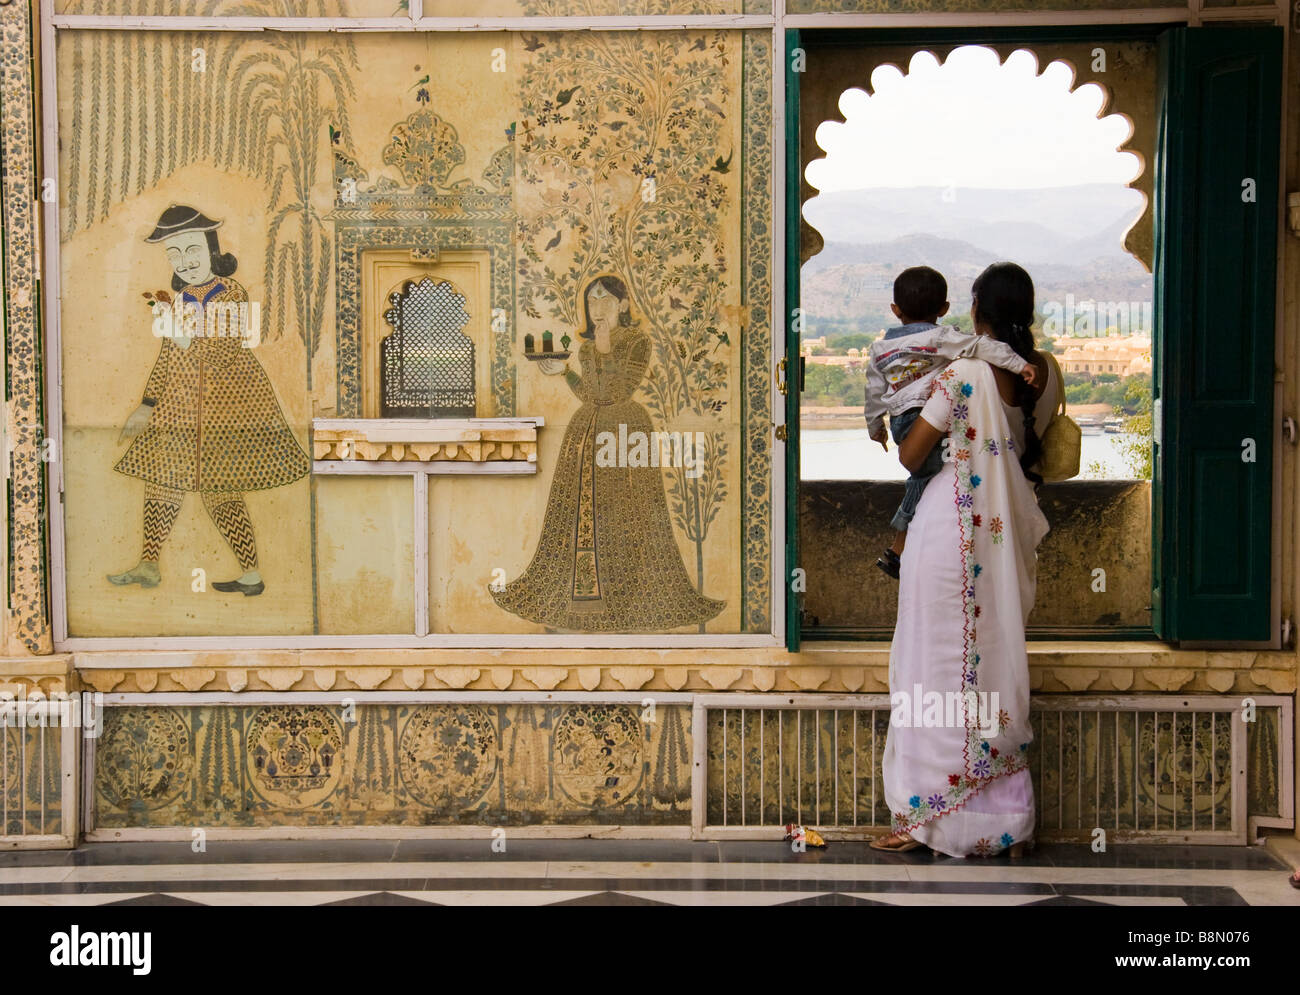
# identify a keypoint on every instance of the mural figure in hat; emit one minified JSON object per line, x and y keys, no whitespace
{"x":209,"y":420}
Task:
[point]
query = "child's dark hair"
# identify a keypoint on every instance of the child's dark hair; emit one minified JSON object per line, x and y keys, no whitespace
{"x":223,"y":263}
{"x":920,"y":293}
{"x":1004,"y":300}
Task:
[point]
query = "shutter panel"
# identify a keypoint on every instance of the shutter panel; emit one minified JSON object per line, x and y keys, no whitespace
{"x":1214,"y":367}
{"x":792,"y":345}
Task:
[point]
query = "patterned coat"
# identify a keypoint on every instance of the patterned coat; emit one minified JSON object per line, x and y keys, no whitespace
{"x":216,"y":423}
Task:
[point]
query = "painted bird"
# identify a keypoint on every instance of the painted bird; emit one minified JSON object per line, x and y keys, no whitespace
{"x":419,"y":82}
{"x":721,"y":165}
{"x":335,"y":135}
{"x":723,"y":339}
{"x":510,"y":132}
{"x":564,"y":96}
{"x":676,"y":303}
{"x":698,"y":46}
{"x":616,"y":125}
{"x":532,"y":44}
{"x":709,"y":105}
{"x":554,"y":242}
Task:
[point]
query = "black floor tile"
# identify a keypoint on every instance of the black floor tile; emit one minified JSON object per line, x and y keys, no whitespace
{"x":154,"y":899}
{"x":609,"y":898}
{"x":379,"y":898}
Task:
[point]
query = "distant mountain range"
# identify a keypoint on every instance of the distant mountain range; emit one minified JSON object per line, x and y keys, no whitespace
{"x":1068,"y":238}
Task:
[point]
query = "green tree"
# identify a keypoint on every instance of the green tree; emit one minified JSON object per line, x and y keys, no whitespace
{"x":1137,"y":443}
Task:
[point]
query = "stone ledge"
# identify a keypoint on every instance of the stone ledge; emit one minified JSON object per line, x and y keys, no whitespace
{"x":21,"y":675}
{"x":1061,"y":668}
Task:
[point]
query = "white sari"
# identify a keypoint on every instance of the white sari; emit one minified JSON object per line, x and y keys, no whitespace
{"x":956,"y":772}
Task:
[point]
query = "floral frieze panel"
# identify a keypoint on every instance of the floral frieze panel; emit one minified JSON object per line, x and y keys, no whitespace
{"x":468,"y":763}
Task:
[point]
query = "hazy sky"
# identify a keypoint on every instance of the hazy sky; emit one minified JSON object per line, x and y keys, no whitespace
{"x":972,"y":122}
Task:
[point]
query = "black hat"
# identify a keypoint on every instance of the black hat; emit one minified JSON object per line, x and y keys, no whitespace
{"x":179,"y":218}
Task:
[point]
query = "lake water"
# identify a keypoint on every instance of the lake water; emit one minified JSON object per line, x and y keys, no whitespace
{"x":849,"y":454}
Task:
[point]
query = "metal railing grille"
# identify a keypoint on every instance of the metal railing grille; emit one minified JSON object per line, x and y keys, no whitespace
{"x":1143,"y":768}
{"x":37,"y":776}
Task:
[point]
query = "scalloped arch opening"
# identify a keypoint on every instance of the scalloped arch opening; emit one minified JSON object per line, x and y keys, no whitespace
{"x":1119,"y":78}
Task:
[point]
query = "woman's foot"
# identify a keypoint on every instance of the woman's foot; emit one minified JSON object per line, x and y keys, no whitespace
{"x":890,"y":563}
{"x":1295,"y":879}
{"x":1020,"y":848}
{"x":145,"y":573}
{"x":895,"y":842}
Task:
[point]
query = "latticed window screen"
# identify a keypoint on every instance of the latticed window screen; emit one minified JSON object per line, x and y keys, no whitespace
{"x":427,"y":363}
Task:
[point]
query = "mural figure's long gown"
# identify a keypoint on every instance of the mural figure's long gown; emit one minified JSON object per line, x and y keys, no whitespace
{"x":607,"y":559}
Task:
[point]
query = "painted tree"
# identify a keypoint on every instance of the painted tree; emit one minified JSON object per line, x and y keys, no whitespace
{"x":624,"y":142}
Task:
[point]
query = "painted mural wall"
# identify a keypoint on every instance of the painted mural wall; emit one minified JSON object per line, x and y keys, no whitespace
{"x":599,"y":204}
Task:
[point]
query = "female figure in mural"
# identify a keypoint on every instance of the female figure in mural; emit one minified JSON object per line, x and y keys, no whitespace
{"x":209,"y":420}
{"x":963,"y":787}
{"x":607,"y":559}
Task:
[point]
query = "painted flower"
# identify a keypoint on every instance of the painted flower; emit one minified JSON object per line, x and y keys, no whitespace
{"x":995,"y":526}
{"x":982,"y":767}
{"x":936,"y":802}
{"x":977,"y":520}
{"x":978,"y":568}
{"x":967,"y":390}
{"x":915,"y":801}
{"x":974,"y":480}
{"x":1004,"y":719}
{"x":959,"y":412}
{"x":983,"y":848}
{"x":954,"y":779}
{"x":964,"y":501}
{"x":1007,"y":839}
{"x":970,"y":432}
{"x":1024,"y":747}
{"x":993,"y":752}
{"x":984,"y":746}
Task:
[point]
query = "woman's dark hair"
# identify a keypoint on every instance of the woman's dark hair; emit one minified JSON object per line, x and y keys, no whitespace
{"x":223,"y":263}
{"x":616,"y":287}
{"x":1004,"y":300}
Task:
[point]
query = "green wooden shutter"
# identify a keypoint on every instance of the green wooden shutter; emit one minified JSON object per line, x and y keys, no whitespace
{"x":792,"y":263}
{"x":1215,"y":288}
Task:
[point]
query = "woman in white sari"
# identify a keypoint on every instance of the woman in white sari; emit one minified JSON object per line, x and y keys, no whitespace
{"x":958,"y":779}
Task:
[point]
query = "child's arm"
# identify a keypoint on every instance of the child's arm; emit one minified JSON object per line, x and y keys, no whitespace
{"x":874,"y":407}
{"x":956,"y":344}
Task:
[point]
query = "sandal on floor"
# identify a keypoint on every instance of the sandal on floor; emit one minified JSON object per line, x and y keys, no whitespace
{"x":890,"y":563}
{"x":880,"y":843}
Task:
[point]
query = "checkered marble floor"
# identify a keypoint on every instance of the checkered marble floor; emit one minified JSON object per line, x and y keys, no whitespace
{"x":632,"y":872}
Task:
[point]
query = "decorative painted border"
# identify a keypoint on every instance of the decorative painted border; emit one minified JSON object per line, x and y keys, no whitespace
{"x":856,"y":670}
{"x":756,"y":367}
{"x":28,"y":623}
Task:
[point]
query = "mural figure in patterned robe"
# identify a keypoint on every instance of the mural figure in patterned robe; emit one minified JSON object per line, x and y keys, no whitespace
{"x":607,"y":559}
{"x":209,"y":420}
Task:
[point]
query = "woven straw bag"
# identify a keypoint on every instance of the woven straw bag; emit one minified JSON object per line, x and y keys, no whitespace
{"x":1062,"y":441}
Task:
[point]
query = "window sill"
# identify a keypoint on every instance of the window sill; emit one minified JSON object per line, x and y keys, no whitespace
{"x":428,"y":445}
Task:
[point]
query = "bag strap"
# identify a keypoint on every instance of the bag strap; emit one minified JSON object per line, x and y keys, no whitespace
{"x":1060,"y":379}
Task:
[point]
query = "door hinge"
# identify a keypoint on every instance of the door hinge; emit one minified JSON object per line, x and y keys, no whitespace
{"x":781,"y":432}
{"x":781,"y":383}
{"x":1288,"y":430}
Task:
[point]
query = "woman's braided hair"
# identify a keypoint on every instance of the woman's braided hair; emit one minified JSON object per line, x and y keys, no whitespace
{"x":1004,"y":300}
